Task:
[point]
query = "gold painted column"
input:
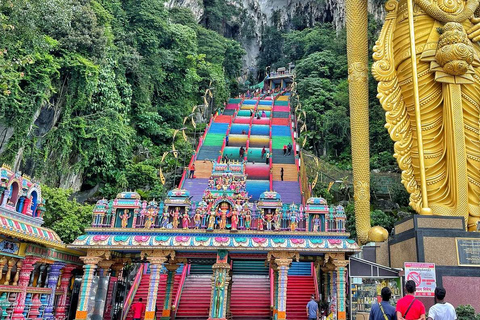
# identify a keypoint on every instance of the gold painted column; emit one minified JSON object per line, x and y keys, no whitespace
{"x":156,"y":258}
{"x":357,"y":53}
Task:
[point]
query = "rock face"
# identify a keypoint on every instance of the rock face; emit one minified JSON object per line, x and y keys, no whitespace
{"x":258,"y":14}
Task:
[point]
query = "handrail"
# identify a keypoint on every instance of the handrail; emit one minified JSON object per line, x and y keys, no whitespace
{"x":315,"y":280}
{"x":132,"y":292}
{"x":270,"y":146}
{"x":247,"y":146}
{"x":272,"y":289}
{"x":185,"y":272}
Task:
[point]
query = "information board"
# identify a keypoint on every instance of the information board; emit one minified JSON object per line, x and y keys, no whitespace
{"x":423,"y":274}
{"x":468,"y":252}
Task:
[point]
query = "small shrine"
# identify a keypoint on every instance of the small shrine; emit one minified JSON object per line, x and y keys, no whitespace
{"x":322,"y":218}
{"x":36,"y":267}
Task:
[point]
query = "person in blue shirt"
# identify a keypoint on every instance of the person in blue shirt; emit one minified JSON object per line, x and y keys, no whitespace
{"x":312,"y":309}
{"x":383,"y":310}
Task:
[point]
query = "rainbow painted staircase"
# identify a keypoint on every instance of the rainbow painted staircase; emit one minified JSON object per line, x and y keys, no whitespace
{"x":300,"y":286}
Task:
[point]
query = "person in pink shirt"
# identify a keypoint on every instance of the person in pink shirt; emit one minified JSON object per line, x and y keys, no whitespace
{"x":138,"y":309}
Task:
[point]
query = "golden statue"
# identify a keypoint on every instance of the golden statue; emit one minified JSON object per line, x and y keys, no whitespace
{"x":432,"y":101}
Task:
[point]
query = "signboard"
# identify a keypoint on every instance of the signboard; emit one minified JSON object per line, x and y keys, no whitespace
{"x":468,"y":251}
{"x":424,"y":276}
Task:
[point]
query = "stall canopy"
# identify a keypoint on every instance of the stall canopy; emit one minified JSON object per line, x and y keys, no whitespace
{"x":363,"y":268}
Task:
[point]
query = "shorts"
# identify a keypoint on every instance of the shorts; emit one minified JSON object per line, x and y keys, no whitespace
{"x":312,"y":318}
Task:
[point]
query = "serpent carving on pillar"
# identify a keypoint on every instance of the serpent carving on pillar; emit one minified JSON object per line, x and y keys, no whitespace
{"x":446,"y":36}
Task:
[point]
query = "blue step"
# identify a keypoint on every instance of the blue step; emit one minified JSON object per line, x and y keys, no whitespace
{"x":218,"y":127}
{"x":256,"y":187}
{"x":281,"y":131}
{"x":300,"y":269}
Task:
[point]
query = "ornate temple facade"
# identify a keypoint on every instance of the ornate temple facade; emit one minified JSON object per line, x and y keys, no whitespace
{"x":230,"y":241}
{"x":36,"y":266}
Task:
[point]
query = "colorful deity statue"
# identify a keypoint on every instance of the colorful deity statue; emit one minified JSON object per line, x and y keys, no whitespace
{"x":234,"y":219}
{"x":185,"y":221}
{"x":176,"y":217}
{"x":197,"y":218}
{"x":125,"y":216}
{"x":260,"y":222}
{"x":165,"y":219}
{"x":150,"y":217}
{"x":268,"y":220}
{"x":293,"y":221}
{"x":316,"y":223}
{"x":276,"y":221}
{"x":248,"y":219}
{"x":211,"y":220}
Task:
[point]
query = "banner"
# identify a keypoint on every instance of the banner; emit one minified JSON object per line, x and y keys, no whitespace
{"x":423,"y":274}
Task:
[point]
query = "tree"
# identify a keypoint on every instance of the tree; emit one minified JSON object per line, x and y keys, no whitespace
{"x":66,"y":217}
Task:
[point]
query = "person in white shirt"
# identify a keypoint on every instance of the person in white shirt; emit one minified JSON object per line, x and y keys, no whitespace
{"x":441,"y":310}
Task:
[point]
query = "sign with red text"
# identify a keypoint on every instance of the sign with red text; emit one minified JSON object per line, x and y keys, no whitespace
{"x":423,"y":274}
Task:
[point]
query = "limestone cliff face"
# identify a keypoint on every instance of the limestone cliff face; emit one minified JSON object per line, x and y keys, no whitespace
{"x":257,"y":14}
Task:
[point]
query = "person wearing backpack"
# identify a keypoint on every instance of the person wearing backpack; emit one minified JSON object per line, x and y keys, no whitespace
{"x":409,"y":308}
{"x":383,"y":310}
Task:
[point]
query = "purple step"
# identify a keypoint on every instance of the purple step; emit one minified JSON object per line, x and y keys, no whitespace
{"x":288,"y":190}
{"x":196,"y":187}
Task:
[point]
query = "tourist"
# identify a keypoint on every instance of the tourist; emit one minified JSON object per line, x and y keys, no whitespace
{"x":138,"y":309}
{"x":281,"y":174}
{"x":226,"y":140}
{"x":312,"y":309}
{"x":251,"y":112}
{"x":441,"y":310}
{"x":284,"y":150}
{"x":241,"y":152}
{"x":267,"y":157}
{"x":263,"y":152}
{"x":243,"y":132}
{"x":289,"y":147}
{"x":409,"y":308}
{"x":383,"y":310}
{"x":192,"y":171}
{"x":264,"y":115}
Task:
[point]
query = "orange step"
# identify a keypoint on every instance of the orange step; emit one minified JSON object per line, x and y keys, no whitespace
{"x":203,"y":169}
{"x":290,"y":172}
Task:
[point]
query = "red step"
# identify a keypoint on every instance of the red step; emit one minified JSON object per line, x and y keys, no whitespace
{"x":280,"y":122}
{"x":142,"y":292}
{"x":195,"y":300}
{"x":250,"y":297}
{"x":299,"y":291}
{"x":222,"y":119}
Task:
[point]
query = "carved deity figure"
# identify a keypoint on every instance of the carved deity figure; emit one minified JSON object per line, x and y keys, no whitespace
{"x":197,"y":219}
{"x":211,"y":221}
{"x":293,"y":221}
{"x":165,"y":219}
{"x":234,"y":220}
{"x":125,"y":216}
{"x":176,"y":217}
{"x":316,"y":223}
{"x":185,"y":220}
{"x":276,"y":221}
{"x":150,"y":218}
{"x":446,"y":179}
{"x":268,"y":220}
{"x":248,"y":220}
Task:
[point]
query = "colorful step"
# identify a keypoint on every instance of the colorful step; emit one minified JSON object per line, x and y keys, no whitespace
{"x":256,"y":187}
{"x":195,"y":300}
{"x":299,"y":291}
{"x":290,"y":172}
{"x":257,"y":171}
{"x":250,"y":297}
{"x":288,"y":190}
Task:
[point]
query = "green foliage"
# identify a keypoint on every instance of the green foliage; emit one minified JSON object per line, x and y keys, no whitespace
{"x":466,"y":312}
{"x":377,"y":218}
{"x":96,"y":88}
{"x":66,"y":217}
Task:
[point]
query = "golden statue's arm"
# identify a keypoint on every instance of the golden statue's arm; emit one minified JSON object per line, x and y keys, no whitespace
{"x":433,"y":9}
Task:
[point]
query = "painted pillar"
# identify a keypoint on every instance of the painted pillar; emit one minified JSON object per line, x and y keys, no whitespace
{"x":220,"y":283}
{"x":52,"y":283}
{"x":88,"y":272}
{"x":26,"y":205}
{"x":23,"y":280}
{"x":283,"y":266}
{"x":21,"y":202}
{"x":340,"y":268}
{"x":61,"y":309}
{"x":275,"y":291}
{"x":333,"y":294}
{"x":155,"y":269}
{"x":167,"y":304}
